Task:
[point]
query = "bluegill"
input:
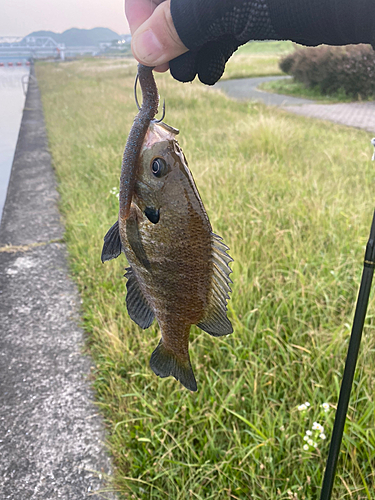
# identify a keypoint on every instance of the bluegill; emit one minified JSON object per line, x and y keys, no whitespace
{"x":179,"y":269}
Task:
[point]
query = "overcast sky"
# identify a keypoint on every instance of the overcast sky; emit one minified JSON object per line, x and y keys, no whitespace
{"x":21,"y":17}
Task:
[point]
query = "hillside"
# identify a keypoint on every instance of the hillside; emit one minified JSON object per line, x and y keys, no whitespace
{"x":80,"y":37}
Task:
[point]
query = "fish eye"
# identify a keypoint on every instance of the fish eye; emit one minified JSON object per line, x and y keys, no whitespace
{"x":158,"y":167}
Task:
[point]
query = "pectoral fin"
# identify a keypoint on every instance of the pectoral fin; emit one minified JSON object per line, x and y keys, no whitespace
{"x":135,"y":240}
{"x":138,"y":308}
{"x":164,"y":363}
{"x":215,"y":321}
{"x":112,"y":243}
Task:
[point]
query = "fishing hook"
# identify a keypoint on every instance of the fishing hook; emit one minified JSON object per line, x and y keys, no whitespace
{"x":162,"y":118}
{"x":135,"y":93}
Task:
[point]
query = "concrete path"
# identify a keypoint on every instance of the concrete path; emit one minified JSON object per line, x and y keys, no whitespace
{"x":247,"y":88}
{"x":51,"y":436}
{"x":354,"y":114}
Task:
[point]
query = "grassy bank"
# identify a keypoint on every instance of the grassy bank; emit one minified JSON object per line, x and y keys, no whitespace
{"x":293,"y":199}
{"x":291,"y":87}
{"x":257,"y":59}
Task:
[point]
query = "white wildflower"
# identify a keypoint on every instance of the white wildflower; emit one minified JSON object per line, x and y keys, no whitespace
{"x":307,"y":404}
{"x":310,"y":442}
{"x":315,"y":445}
{"x":308,"y":433}
{"x":306,"y":438}
{"x":306,"y":447}
{"x":302,"y":407}
{"x":325,"y":407}
{"x":114,"y":191}
{"x":322,"y":436}
{"x":317,"y":427}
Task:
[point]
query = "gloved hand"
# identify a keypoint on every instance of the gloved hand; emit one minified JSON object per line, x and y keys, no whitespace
{"x":199,"y":36}
{"x":212,"y":30}
{"x":202,"y":33}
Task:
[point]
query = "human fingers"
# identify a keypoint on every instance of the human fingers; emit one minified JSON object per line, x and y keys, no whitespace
{"x":208,"y":63}
{"x":137,"y":11}
{"x":155,"y":41}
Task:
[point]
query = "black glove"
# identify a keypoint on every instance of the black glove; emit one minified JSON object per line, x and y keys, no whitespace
{"x":212,"y":30}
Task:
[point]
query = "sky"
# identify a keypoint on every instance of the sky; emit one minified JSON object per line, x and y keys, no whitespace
{"x":21,"y":17}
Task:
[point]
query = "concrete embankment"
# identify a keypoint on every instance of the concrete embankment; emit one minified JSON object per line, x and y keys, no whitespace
{"x":51,"y":436}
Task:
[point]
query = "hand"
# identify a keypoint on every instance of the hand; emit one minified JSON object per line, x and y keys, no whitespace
{"x":195,"y":36}
{"x":154,"y":38}
{"x":155,"y":42}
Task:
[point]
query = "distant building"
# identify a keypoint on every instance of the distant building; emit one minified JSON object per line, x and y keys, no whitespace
{"x":104,"y":45}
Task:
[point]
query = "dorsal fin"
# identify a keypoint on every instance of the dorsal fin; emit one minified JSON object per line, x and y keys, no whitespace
{"x":215,"y":321}
{"x":138,"y":308}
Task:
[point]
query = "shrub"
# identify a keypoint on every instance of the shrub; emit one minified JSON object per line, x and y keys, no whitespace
{"x":349,"y":69}
{"x":286,"y":62}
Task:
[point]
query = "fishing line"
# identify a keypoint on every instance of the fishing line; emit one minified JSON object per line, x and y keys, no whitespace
{"x":350,"y":364}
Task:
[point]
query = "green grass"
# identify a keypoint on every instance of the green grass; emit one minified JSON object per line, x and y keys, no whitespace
{"x":267,"y":47}
{"x":293,"y":198}
{"x":257,"y":59}
{"x":297,"y":89}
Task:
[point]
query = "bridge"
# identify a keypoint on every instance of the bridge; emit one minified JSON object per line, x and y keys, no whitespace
{"x":38,"y":47}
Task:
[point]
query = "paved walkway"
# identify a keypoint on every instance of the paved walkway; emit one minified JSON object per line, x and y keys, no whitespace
{"x":51,"y":436}
{"x":247,"y":88}
{"x":354,"y":114}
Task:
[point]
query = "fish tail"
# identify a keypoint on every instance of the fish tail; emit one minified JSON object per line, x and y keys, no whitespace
{"x":165,"y":363}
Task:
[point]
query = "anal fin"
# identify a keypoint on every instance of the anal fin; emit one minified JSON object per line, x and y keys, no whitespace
{"x":165,"y":364}
{"x":138,"y":308}
{"x":112,"y":243}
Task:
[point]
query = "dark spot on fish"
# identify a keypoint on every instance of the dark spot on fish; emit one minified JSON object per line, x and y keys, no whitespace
{"x":159,"y":167}
{"x":152,"y":214}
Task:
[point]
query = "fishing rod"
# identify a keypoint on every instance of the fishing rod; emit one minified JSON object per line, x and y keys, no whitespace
{"x":350,"y":364}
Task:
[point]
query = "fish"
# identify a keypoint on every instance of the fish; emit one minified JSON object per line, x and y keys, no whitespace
{"x":178,"y":267}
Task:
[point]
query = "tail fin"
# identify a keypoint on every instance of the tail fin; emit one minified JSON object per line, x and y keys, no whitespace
{"x":164,"y":363}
